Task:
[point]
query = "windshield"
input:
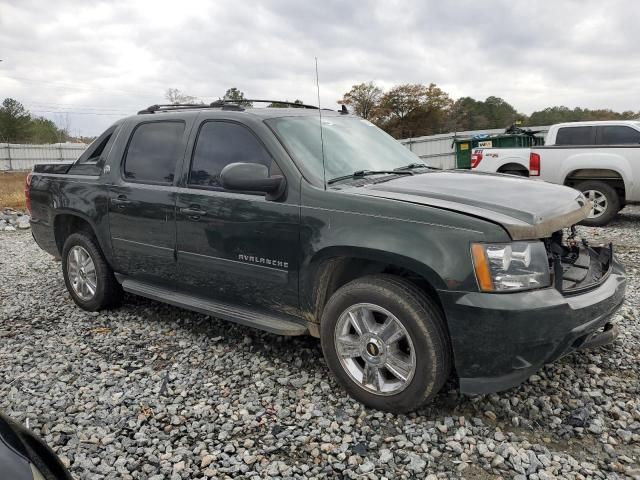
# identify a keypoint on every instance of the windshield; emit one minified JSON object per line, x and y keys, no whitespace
{"x":350,"y":144}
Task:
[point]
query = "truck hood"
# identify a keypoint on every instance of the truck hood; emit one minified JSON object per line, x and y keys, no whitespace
{"x":527,"y":209}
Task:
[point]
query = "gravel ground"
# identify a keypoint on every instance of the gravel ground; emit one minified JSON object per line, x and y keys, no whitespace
{"x":149,"y":391}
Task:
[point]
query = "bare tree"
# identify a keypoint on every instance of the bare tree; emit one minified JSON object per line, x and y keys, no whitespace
{"x":175,"y":96}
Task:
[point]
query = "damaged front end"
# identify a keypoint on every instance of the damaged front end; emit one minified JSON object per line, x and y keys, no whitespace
{"x":575,"y":265}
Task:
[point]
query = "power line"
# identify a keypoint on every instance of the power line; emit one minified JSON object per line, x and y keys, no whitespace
{"x":86,"y":88}
{"x":72,"y":108}
{"x":78,"y":87}
{"x":120,"y":114}
{"x":77,"y":106}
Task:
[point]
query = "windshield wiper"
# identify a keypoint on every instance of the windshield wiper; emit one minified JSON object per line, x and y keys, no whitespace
{"x":364,"y":173}
{"x":411,"y":166}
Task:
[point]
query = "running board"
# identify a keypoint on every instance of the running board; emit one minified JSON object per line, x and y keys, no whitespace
{"x":281,"y":325}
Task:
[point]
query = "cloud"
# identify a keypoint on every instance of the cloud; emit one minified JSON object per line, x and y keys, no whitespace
{"x":103,"y":60}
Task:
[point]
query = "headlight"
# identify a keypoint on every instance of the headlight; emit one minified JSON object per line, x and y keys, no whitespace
{"x":508,"y":267}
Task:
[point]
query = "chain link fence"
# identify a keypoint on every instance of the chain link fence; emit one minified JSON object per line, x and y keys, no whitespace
{"x":14,"y":156}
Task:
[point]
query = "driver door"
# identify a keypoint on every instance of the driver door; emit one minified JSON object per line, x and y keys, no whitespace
{"x":231,"y":246}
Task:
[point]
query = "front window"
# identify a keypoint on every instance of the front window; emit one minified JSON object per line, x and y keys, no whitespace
{"x":618,"y":135}
{"x":350,"y":144}
{"x":218,"y":145}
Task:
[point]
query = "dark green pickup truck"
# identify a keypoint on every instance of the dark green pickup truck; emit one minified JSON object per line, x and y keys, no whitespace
{"x":300,"y":221}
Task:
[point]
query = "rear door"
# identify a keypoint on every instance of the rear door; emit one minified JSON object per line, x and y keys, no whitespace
{"x":142,"y":200}
{"x":235,"y":247}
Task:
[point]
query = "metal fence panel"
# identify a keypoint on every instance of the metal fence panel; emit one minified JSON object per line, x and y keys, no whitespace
{"x":15,"y":156}
{"x":439,"y":150}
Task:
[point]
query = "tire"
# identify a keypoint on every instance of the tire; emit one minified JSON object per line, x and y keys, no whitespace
{"x":425,"y":335}
{"x":106,"y":289}
{"x":607,"y":198}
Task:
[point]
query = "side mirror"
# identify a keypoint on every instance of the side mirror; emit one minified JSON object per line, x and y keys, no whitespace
{"x":252,"y":177}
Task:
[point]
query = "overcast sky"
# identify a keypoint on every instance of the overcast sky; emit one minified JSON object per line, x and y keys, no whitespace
{"x":104,"y":60}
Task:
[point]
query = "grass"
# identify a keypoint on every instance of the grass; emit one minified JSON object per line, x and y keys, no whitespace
{"x":12,"y":189}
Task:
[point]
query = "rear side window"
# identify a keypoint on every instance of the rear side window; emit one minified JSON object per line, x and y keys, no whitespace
{"x":618,"y":135}
{"x":574,"y":136}
{"x":99,"y":147}
{"x":218,"y":145}
{"x":153,"y":152}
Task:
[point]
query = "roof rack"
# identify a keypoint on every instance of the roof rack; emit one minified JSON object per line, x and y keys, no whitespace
{"x":293,"y":104}
{"x":222,"y":104}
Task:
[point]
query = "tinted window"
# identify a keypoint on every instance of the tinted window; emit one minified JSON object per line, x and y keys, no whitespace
{"x":616,"y":135}
{"x":574,"y":136}
{"x":218,"y":145}
{"x":153,"y":152}
{"x":100,"y":145}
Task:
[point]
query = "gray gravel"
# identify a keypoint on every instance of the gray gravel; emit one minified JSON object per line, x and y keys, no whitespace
{"x":150,"y":391}
{"x":11,"y":220}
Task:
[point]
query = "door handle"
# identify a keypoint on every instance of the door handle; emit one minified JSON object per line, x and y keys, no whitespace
{"x":120,"y":201}
{"x":193,"y":213}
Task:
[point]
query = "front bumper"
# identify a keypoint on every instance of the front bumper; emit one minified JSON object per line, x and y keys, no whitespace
{"x":499,"y":340}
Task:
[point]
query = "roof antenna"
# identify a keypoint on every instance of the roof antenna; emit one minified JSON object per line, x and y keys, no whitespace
{"x":324,"y":170}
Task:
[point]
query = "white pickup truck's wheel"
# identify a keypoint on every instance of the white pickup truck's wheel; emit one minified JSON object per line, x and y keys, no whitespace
{"x":386,"y":342}
{"x":605,"y":200}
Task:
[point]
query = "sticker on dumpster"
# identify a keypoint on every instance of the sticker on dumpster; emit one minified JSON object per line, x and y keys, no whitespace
{"x":485,"y":144}
{"x":464,"y":146}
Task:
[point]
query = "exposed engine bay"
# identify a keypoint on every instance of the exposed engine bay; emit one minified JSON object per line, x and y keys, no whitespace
{"x":574,"y":264}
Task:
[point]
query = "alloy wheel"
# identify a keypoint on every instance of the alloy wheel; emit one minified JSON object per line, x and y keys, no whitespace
{"x":375,"y":349}
{"x":82,"y":273}
{"x":599,"y":201}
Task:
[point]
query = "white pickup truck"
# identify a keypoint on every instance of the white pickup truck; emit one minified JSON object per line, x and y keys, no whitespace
{"x":601,"y":159}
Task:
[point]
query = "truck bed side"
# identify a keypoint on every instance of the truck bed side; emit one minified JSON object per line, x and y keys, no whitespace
{"x":503,"y":160}
{"x":59,"y":200}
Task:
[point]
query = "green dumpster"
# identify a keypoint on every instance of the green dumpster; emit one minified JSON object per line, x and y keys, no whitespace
{"x":463,"y":153}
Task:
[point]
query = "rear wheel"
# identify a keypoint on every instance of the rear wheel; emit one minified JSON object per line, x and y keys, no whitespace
{"x":605,"y":199}
{"x":386,"y":342}
{"x":87,"y":275}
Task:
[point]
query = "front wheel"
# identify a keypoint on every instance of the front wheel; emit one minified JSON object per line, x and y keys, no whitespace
{"x":386,"y":342}
{"x":605,"y":200}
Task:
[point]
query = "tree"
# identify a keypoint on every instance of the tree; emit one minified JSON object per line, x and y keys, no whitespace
{"x":15,"y":121}
{"x":284,"y":105}
{"x":236,"y":96}
{"x":434,"y":115}
{"x":500,"y":113}
{"x":364,"y":99}
{"x":467,"y":114}
{"x":560,"y":114}
{"x":414,"y":110}
{"x":470,"y":114}
{"x":44,"y":130}
{"x":175,"y":96}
